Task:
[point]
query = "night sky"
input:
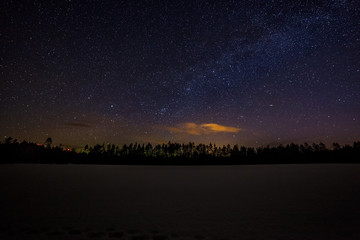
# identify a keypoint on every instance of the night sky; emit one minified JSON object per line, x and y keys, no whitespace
{"x":240,"y":72}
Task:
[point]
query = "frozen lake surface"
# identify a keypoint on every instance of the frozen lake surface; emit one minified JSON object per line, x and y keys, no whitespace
{"x":180,"y":202}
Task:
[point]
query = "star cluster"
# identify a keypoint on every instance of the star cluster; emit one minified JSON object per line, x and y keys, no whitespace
{"x":86,"y":72}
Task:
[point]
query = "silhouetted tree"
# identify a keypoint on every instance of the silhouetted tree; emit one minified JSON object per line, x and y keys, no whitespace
{"x":48,"y":142}
{"x":336,"y":146}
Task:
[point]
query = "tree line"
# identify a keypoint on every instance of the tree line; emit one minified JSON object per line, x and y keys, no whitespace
{"x":176,"y":153}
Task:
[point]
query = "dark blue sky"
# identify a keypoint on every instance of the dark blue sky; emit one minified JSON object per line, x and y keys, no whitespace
{"x":239,"y":72}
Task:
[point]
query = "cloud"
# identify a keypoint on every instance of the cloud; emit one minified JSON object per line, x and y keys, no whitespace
{"x":202,"y":129}
{"x":77,"y":124}
{"x":219,"y":128}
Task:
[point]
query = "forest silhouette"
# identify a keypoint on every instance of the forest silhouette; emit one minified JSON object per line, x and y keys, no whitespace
{"x":12,"y":151}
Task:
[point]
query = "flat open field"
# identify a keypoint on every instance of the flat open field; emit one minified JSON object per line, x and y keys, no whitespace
{"x":180,"y":202}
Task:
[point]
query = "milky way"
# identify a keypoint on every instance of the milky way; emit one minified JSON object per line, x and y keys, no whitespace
{"x":239,"y":72}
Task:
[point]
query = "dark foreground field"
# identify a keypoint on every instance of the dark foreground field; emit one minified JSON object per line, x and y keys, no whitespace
{"x":311,"y":201}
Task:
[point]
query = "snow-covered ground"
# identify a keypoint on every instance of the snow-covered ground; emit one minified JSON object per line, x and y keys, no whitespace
{"x":183,"y":202}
